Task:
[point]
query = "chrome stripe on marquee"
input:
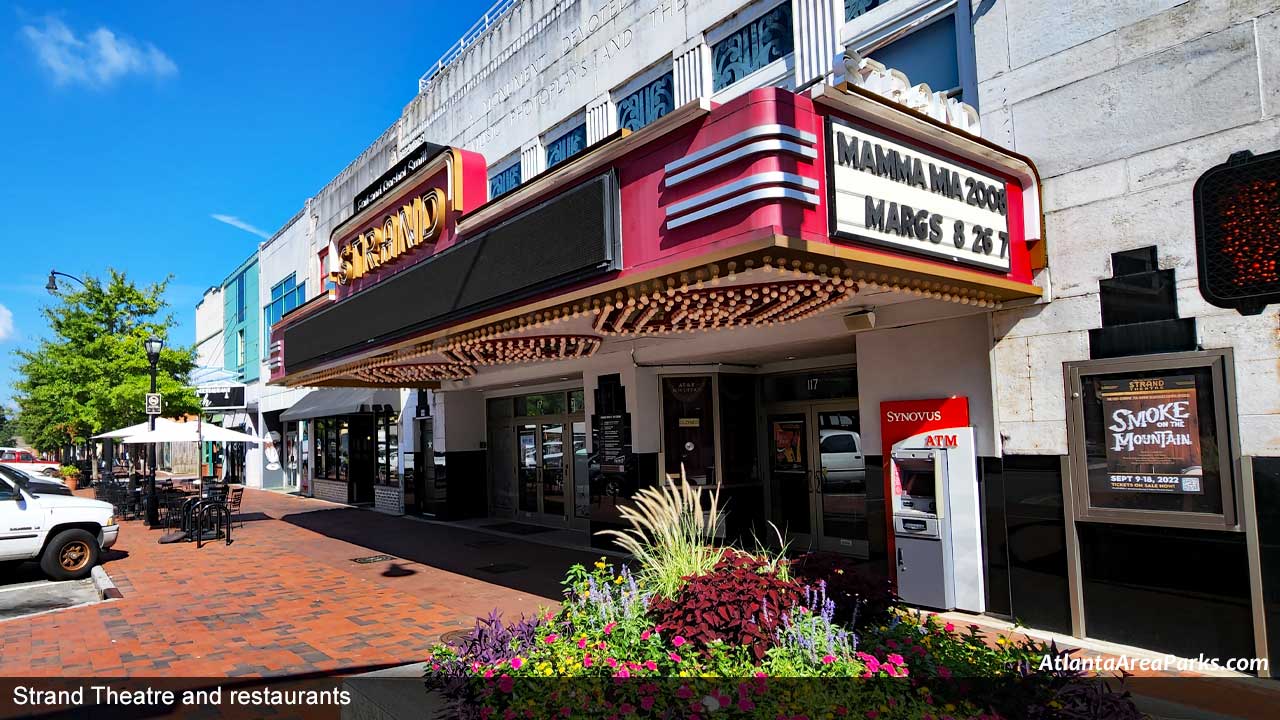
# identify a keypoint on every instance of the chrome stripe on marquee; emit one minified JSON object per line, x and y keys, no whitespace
{"x":775,"y":177}
{"x":769,"y":193}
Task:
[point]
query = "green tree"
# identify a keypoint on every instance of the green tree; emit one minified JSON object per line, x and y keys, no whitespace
{"x":8,"y":427}
{"x":92,"y":374}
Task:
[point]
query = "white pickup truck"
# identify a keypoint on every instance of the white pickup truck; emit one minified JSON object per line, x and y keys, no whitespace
{"x":64,"y":533}
{"x":27,"y":460}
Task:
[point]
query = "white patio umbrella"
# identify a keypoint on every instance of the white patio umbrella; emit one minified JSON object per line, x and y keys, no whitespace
{"x":134,"y":429}
{"x":191,"y":432}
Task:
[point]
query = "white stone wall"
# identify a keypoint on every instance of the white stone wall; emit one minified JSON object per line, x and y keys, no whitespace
{"x":1122,"y":105}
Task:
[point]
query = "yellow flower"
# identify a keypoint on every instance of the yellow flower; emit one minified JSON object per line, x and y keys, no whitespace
{"x":617,"y":580}
{"x":600,"y":565}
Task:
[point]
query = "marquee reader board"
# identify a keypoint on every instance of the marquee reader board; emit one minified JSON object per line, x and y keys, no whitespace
{"x":901,"y":195}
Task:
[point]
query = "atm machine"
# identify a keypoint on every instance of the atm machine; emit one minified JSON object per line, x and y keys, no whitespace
{"x":936,"y":524}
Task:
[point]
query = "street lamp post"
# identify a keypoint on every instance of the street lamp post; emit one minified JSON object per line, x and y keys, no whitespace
{"x":52,"y":285}
{"x":153,"y":345}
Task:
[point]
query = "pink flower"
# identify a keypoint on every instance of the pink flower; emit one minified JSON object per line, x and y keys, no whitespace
{"x":587,"y":661}
{"x":650,"y":665}
{"x":623,"y":673}
{"x":488,"y":673}
{"x":674,"y":657}
{"x":746,"y":705}
{"x":678,"y":640}
{"x":949,"y":627}
{"x":609,"y":628}
{"x":551,"y":638}
{"x":602,"y":645}
{"x":505,"y":683}
{"x":891,"y":643}
{"x":645,"y":635}
{"x":646,"y":702}
{"x":611,"y":662}
{"x":895,"y":658}
{"x":684,"y":693}
{"x":627,"y":708}
{"x":872,"y":714}
{"x":516,"y":663}
{"x":944,"y":672}
{"x":828,"y":659}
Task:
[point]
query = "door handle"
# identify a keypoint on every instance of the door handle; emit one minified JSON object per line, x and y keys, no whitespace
{"x":902,"y":566}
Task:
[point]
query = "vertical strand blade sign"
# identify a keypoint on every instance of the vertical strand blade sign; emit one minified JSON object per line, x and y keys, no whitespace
{"x":1237,"y":214}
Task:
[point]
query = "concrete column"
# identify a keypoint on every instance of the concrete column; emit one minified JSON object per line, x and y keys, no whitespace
{"x":459,"y":420}
{"x":815,"y":26}
{"x":691,"y":70}
{"x":533,"y":159}
{"x":602,"y":119}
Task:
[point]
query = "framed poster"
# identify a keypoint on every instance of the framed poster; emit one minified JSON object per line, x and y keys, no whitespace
{"x":1152,"y":434}
{"x":788,"y":445}
{"x":1153,"y":440}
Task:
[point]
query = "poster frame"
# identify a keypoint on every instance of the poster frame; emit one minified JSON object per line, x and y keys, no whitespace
{"x":1222,"y":368}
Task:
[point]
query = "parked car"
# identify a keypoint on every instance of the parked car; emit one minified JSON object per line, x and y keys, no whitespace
{"x":27,"y":460}
{"x":843,"y":461}
{"x":64,"y":533}
{"x":34,"y":484}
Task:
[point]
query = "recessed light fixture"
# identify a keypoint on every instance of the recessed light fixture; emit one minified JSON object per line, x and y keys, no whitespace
{"x":564,"y":378}
{"x":791,"y":357}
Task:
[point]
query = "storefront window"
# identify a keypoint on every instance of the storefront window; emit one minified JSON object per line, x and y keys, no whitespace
{"x":344,"y":450}
{"x":577,"y":401}
{"x":688,"y":434}
{"x":321,"y":426}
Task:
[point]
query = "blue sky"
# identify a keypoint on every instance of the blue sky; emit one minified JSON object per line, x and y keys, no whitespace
{"x":128,"y":126}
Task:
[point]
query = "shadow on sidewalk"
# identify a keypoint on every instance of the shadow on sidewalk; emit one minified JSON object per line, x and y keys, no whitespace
{"x":523,"y":566}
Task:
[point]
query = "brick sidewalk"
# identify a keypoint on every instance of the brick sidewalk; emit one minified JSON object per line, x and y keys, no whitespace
{"x":284,"y":598}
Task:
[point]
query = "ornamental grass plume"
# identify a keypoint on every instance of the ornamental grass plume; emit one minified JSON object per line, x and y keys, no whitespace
{"x":671,"y":536}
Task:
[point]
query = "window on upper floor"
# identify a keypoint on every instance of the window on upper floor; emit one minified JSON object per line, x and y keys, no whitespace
{"x":240,"y":349}
{"x":240,"y":297}
{"x":323,"y":260}
{"x":505,"y":180}
{"x":568,"y":144}
{"x":285,"y":296}
{"x":751,"y":47}
{"x":927,"y":55}
{"x":938,"y":51}
{"x":854,"y":8}
{"x":648,"y":103}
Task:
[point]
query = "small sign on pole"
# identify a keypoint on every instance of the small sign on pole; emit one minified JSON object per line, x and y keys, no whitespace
{"x":153,"y":403}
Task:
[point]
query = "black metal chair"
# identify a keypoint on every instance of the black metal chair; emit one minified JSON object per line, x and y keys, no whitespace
{"x":234,"y":496}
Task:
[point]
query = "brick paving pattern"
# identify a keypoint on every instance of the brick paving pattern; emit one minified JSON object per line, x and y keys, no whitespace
{"x":284,"y":598}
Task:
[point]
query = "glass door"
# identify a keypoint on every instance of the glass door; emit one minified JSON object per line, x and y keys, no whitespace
{"x":840,"y":487}
{"x":543,"y":473}
{"x":527,"y":468}
{"x":792,"y":476}
{"x":553,"y":469}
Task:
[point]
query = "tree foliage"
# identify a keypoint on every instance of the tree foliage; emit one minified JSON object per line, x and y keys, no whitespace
{"x":92,"y":375}
{"x":8,"y":427}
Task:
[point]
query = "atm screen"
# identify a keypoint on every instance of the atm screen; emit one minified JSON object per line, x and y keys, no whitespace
{"x":918,"y":483}
{"x":918,"y":480}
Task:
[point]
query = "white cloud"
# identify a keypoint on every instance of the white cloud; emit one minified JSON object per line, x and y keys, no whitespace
{"x":97,"y":58}
{"x":236,"y":222}
{"x":6,"y":323}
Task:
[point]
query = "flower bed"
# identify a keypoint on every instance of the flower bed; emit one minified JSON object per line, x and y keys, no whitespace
{"x":749,"y":635}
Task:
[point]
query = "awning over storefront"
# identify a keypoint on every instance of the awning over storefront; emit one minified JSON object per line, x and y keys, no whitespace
{"x":343,"y":401}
